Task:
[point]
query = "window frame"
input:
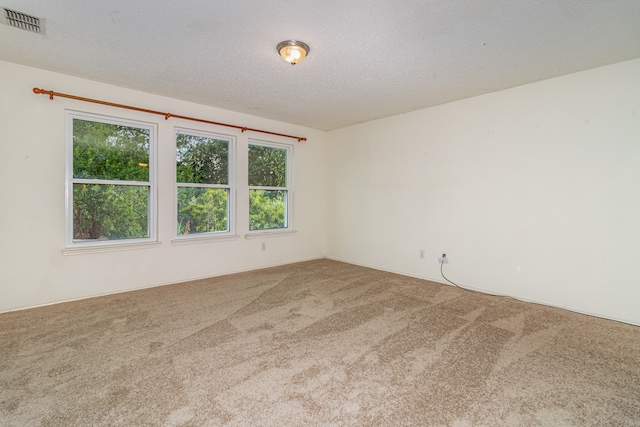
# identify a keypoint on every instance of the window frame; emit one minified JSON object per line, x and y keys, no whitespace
{"x":152,"y":208}
{"x":231,"y":187}
{"x":288,"y":189}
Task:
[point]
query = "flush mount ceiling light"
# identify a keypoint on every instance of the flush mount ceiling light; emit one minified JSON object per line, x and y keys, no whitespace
{"x":293,"y":51}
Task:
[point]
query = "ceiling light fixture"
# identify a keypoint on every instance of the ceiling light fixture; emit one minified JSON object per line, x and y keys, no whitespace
{"x":293,"y":51}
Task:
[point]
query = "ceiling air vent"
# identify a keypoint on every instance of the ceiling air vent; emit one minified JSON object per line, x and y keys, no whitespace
{"x":23,"y":21}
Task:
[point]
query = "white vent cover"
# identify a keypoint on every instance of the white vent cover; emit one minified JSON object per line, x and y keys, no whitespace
{"x":23,"y":21}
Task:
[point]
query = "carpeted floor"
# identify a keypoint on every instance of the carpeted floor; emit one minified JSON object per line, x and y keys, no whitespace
{"x":315,"y":343}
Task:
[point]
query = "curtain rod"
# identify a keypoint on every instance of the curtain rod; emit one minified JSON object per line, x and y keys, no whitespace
{"x":167,"y":116}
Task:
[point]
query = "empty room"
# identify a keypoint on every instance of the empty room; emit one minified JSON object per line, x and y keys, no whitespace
{"x":288,"y":213}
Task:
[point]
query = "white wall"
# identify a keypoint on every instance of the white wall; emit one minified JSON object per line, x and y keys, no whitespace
{"x":532,"y":192}
{"x":32,"y":141}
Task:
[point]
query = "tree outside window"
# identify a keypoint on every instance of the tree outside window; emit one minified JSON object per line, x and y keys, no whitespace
{"x":110,"y":178}
{"x":269,"y":186}
{"x":203,"y":183}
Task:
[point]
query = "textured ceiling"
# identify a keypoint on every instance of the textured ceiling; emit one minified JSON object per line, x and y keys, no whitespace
{"x":369,"y":58}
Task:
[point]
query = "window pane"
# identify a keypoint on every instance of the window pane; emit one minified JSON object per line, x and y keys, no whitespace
{"x":267,"y":166}
{"x":109,"y":151}
{"x":201,"y":160}
{"x":110,"y":212}
{"x":202,"y":210}
{"x":267,"y":209}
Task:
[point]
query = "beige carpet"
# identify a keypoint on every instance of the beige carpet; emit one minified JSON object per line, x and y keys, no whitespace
{"x":315,"y":343}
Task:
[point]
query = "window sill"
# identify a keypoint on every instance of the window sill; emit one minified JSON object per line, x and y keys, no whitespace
{"x":268,"y":233}
{"x":177,"y":241}
{"x":94,"y":249}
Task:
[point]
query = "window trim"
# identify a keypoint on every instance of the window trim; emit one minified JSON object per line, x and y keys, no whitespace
{"x":72,"y":246}
{"x":288,"y":190}
{"x":179,"y":239}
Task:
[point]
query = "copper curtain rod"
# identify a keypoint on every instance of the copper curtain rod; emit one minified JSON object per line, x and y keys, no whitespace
{"x":166,"y":115}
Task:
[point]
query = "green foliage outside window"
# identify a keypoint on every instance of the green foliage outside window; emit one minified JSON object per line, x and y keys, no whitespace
{"x":201,"y":160}
{"x":266,"y":209}
{"x":111,"y":183}
{"x":205,"y":161}
{"x":111,"y":153}
{"x":267,"y":168}
{"x":109,"y":212}
{"x":202,"y":210}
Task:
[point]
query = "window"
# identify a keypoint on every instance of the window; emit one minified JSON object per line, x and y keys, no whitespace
{"x":269,"y":186}
{"x":204,"y":184}
{"x":110,"y":181}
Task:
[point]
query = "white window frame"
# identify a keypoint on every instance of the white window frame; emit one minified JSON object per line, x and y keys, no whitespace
{"x":231,"y":187}
{"x":71,"y":244}
{"x":288,"y":189}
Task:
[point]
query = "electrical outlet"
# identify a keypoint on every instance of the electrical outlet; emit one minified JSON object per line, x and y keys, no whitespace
{"x":421,"y":252}
{"x":263,"y":246}
{"x":443,"y":259}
